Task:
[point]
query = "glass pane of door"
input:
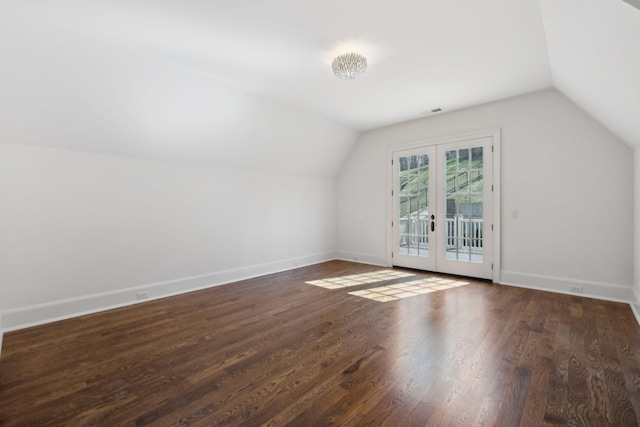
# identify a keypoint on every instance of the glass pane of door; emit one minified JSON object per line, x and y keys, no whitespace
{"x":414,"y":188}
{"x":464,"y":204}
{"x":413,"y":184}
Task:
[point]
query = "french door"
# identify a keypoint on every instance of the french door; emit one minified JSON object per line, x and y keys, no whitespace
{"x":443,"y":208}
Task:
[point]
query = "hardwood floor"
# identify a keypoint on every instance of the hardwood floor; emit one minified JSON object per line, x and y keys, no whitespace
{"x":276,"y":351}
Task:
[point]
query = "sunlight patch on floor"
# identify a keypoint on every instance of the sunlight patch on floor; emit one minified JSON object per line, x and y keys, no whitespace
{"x":407,"y":289}
{"x":359,"y":279}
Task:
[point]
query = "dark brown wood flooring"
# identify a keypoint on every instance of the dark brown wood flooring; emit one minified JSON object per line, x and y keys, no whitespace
{"x":275,"y":351}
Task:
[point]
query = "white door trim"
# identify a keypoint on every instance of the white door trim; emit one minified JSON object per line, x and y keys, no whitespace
{"x":492,"y":133}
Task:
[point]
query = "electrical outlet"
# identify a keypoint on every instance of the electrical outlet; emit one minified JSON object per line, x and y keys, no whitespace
{"x":576,"y":289}
{"x":142,"y":295}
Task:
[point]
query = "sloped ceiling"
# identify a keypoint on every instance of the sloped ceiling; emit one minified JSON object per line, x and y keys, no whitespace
{"x":234,"y":82}
{"x":594,"y":53}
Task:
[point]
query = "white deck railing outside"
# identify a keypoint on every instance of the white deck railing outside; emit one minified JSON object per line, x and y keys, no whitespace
{"x":461,"y":232}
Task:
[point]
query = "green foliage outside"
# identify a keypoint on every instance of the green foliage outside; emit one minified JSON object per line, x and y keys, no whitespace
{"x":464,"y":180}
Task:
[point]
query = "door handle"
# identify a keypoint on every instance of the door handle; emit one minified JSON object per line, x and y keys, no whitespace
{"x":433,"y":226}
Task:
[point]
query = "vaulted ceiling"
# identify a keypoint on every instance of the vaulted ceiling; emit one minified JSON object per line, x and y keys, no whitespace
{"x":131,"y":77}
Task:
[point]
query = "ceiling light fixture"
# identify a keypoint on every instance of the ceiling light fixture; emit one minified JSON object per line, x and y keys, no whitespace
{"x":349,"y":66}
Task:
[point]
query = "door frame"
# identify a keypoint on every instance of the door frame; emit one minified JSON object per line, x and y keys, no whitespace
{"x":494,"y":134}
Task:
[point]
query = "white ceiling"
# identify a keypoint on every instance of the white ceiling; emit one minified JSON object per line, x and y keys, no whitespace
{"x":132,"y":72}
{"x":594,"y":51}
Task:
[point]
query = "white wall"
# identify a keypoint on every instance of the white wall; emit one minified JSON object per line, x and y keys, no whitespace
{"x":193,"y":180}
{"x":569,"y":179}
{"x":61,"y":89}
{"x":81,"y":232}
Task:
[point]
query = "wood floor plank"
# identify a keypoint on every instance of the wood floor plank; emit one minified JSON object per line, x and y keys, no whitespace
{"x":276,"y":351}
{"x":556,"y":408}
{"x":537,"y":357}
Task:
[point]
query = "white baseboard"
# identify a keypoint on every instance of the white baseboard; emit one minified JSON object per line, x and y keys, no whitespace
{"x":635,"y":303}
{"x":362,"y":258}
{"x":39,"y":314}
{"x":1,"y":334}
{"x":636,"y":312}
{"x":598,"y":290}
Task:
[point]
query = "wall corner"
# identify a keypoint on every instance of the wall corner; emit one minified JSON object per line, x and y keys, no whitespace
{"x":635,"y":304}
{"x":1,"y":334}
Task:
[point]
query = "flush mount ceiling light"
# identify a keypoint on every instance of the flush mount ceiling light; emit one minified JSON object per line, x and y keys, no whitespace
{"x":349,"y":66}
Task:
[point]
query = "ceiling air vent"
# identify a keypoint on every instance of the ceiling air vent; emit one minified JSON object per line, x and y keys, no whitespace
{"x":634,"y":3}
{"x":435,"y":110}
